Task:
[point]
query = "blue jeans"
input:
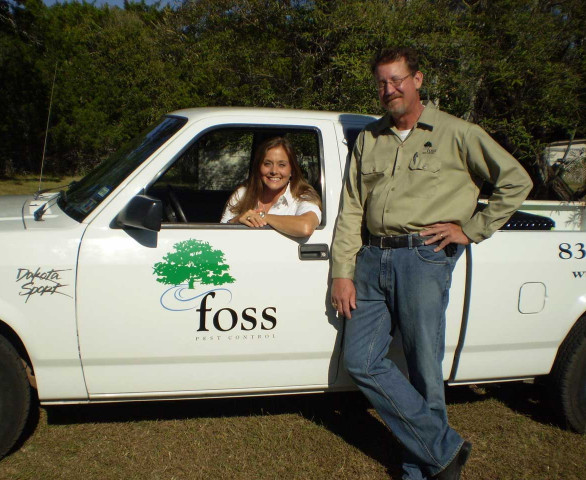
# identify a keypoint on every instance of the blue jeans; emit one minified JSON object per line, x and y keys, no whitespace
{"x":409,"y":288}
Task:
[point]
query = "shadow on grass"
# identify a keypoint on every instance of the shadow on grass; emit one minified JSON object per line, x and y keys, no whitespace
{"x":347,"y":415}
{"x":528,"y":399}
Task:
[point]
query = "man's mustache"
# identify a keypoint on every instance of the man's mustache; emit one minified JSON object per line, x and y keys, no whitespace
{"x":389,"y":98}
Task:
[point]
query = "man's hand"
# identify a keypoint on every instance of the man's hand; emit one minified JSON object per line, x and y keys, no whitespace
{"x":445,"y":233}
{"x":343,"y":296}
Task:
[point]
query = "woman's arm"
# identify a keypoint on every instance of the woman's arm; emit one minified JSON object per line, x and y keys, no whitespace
{"x":294,"y":225}
{"x":302,"y":224}
{"x":227,"y":215}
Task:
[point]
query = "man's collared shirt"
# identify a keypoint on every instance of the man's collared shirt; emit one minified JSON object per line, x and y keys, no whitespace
{"x":433,"y":176}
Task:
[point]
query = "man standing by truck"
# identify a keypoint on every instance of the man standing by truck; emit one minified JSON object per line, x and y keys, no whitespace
{"x":413,"y":182}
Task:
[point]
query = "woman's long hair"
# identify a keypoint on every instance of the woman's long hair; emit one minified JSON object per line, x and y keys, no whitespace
{"x":300,"y":189}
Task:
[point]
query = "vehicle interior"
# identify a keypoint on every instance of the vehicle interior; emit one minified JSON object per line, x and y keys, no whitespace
{"x":196,"y":187}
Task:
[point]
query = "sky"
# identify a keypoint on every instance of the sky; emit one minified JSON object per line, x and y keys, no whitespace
{"x":112,"y":3}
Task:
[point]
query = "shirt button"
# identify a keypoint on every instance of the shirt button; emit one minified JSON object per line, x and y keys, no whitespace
{"x":392,"y":189}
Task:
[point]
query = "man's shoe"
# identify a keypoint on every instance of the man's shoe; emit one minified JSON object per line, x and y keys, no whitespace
{"x":454,"y":468}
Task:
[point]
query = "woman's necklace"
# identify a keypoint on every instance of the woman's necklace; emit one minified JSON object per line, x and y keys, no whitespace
{"x":266,"y":206}
{"x":263,"y":207}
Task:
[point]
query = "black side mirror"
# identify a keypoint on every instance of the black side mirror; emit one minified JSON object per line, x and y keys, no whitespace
{"x":142,"y":212}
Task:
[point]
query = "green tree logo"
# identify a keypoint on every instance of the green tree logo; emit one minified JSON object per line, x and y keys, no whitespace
{"x":193,"y":261}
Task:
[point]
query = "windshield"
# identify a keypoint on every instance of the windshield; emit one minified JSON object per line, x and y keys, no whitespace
{"x":83,"y":196}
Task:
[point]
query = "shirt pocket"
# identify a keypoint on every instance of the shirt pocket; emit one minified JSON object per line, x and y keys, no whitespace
{"x":424,"y":175}
{"x":373,"y":167}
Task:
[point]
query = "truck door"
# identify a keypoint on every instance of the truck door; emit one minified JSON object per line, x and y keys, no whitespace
{"x":202,"y":306}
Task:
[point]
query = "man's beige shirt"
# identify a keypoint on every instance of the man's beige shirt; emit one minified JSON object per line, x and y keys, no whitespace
{"x":433,"y":176}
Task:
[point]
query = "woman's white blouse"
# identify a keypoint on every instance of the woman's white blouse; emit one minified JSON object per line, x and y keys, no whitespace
{"x":285,"y":205}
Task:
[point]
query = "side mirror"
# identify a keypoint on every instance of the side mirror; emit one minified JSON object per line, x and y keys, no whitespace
{"x":142,"y":212}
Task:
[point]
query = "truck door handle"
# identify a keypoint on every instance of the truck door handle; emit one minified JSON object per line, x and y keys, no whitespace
{"x":315,"y":251}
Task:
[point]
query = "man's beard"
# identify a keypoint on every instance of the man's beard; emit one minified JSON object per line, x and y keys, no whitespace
{"x":395,"y":109}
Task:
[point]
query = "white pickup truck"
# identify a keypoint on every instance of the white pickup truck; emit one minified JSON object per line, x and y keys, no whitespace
{"x":126,"y":286}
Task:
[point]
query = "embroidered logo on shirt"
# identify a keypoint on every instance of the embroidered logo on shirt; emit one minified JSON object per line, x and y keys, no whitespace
{"x":428,"y":148}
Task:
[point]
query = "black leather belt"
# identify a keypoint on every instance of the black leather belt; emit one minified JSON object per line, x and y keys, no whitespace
{"x":397,"y":241}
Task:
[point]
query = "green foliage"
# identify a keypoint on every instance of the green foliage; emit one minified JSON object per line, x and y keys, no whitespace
{"x":193,"y":261}
{"x":516,"y":67}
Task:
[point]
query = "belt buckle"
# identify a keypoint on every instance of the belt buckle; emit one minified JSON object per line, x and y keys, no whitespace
{"x":415,"y":240}
{"x":395,"y":241}
{"x":387,"y":242}
{"x":376,"y":241}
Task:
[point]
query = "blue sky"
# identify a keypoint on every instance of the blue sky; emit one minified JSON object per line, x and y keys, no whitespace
{"x":113,"y":3}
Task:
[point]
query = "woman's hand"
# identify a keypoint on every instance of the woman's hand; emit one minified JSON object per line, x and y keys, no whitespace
{"x":252,"y":218}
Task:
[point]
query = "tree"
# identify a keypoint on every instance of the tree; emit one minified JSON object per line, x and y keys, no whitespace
{"x":23,"y":92}
{"x":516,"y":67}
{"x":193,"y":261}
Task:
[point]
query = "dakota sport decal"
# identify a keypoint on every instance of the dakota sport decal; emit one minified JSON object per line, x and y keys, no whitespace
{"x":40,"y":282}
{"x":196,"y":263}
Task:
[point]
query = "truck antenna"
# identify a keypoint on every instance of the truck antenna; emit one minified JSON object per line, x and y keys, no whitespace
{"x":46,"y":132}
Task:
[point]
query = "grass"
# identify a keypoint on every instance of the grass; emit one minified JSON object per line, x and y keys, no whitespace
{"x":19,"y":185}
{"x":333,"y":436}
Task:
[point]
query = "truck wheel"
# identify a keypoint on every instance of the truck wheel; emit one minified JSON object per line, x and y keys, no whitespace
{"x":15,"y":396}
{"x":568,"y":378}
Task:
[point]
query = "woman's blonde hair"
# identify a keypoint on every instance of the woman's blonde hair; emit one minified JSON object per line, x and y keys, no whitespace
{"x":300,"y":189}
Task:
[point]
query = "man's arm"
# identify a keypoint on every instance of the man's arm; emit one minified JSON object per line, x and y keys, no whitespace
{"x":491,"y":162}
{"x":347,"y":237}
{"x":488,"y":160}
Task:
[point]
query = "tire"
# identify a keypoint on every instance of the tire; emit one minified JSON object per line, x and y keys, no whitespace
{"x":568,"y":379}
{"x":15,"y":396}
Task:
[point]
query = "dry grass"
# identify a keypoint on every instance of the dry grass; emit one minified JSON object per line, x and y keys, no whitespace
{"x":29,"y":184}
{"x":335,"y":436}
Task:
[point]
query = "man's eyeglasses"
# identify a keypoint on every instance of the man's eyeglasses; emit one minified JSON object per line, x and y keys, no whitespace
{"x":395,"y":82}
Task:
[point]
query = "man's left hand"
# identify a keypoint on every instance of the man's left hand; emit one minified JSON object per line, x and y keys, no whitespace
{"x":445,"y":233}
